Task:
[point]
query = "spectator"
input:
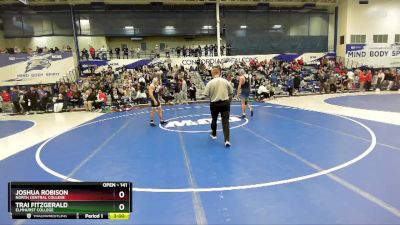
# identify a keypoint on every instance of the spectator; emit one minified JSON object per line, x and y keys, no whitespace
{"x":192,"y":91}
{"x":22,"y":101}
{"x":101,"y":100}
{"x":166,"y":95}
{"x":7,"y":105}
{"x":141,"y":97}
{"x":381,"y":78}
{"x":296,"y":84}
{"x":1,"y":104}
{"x":167,"y":51}
{"x":184,"y":91}
{"x":92,"y":52}
{"x":85,"y":54}
{"x":76,"y":98}
{"x":332,"y":82}
{"x":323,"y":78}
{"x":110,"y":53}
{"x":270,"y":89}
{"x":117,"y":52}
{"x":350,"y":74}
{"x":345,"y":80}
{"x":263,"y":92}
{"x":368,"y":80}
{"x":89,"y":99}
{"x":103,"y":53}
{"x":138,"y":50}
{"x":290,"y":85}
{"x":15,"y":99}
{"x":132,"y":51}
{"x":389,"y":79}
{"x":41,"y":99}
{"x":116,"y":96}
{"x":59,"y":103}
{"x":31,"y":99}
{"x":177,"y":90}
{"x":126,"y":52}
{"x":362,"y":80}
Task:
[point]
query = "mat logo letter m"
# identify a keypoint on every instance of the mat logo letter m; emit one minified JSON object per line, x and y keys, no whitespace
{"x":204,"y":121}
{"x":181,"y":123}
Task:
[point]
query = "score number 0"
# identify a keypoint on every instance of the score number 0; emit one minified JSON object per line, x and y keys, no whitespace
{"x":121,"y":206}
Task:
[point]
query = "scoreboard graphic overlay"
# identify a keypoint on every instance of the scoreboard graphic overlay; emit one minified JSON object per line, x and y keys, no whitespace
{"x":61,"y":200}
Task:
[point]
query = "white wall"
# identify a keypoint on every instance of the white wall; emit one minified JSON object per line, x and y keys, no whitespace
{"x":2,"y":41}
{"x":96,"y":42}
{"x":377,"y":17}
{"x":50,"y":42}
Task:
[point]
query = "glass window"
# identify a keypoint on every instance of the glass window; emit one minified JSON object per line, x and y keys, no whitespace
{"x":380,"y":38}
{"x":358,"y":39}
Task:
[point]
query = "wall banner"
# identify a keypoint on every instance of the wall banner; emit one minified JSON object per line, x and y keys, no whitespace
{"x":25,"y":69}
{"x":374,"y":55}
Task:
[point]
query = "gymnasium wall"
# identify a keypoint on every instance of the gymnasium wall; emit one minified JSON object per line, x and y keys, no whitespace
{"x":376,"y":18}
{"x":2,"y":40}
{"x":252,"y":32}
{"x":299,"y":30}
{"x":109,"y":42}
{"x":49,"y":41}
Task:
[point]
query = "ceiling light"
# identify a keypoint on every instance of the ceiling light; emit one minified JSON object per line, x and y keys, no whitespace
{"x":129,"y":27}
{"x":207,"y":27}
{"x":277,"y":26}
{"x":169,"y":27}
{"x":243,"y":27}
{"x":24,"y":1}
{"x":136,"y":38}
{"x":84,"y":21}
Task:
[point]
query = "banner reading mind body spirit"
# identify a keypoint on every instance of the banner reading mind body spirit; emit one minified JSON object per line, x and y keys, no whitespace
{"x":374,"y":55}
{"x":26,"y":69}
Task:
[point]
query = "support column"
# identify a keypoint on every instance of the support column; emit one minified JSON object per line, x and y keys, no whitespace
{"x":218,"y":31}
{"x":75,"y":39}
{"x":335,"y":40}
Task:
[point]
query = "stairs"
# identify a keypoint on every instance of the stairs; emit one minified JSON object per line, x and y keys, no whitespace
{"x":198,"y":81}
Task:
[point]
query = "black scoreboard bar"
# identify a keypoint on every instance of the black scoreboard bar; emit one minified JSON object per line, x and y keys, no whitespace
{"x":63,"y":200}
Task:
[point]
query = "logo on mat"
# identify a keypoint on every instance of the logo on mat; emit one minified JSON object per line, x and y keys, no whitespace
{"x":199,"y":123}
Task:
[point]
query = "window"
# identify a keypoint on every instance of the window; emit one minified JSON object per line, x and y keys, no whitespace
{"x":358,"y":39}
{"x":143,"y":46}
{"x":397,"y":38}
{"x":342,"y":40}
{"x":381,"y":38}
{"x":162,"y":46}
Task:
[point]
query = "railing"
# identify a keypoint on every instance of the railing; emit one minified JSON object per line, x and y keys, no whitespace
{"x":348,"y":63}
{"x":71,"y":76}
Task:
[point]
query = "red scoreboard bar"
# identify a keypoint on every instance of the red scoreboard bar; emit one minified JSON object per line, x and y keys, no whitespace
{"x":62,"y":200}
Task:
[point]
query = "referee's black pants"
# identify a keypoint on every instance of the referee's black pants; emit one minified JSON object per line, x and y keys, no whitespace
{"x":224,"y":108}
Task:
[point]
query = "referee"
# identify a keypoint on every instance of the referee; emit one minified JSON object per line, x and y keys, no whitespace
{"x":219,"y":90}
